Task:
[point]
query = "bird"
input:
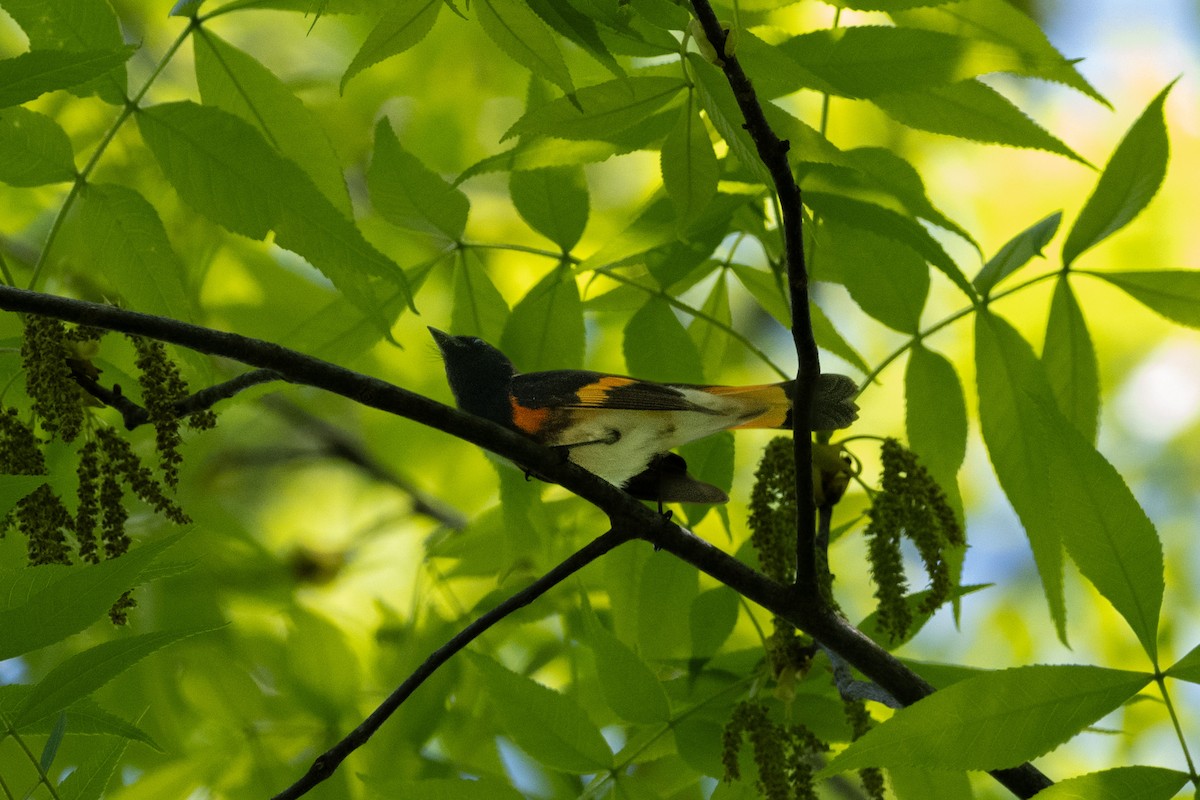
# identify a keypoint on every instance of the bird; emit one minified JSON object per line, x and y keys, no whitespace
{"x":623,"y":429}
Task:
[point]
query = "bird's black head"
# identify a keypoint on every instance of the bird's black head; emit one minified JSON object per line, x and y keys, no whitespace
{"x":479,"y":375}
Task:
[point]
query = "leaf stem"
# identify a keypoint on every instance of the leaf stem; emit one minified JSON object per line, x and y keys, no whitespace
{"x":1160,"y":679}
{"x":33,"y":759}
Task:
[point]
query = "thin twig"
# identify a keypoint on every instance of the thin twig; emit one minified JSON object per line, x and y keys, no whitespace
{"x":328,"y":761}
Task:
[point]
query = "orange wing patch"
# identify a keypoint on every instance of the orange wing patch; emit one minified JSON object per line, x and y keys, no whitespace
{"x":594,"y":394}
{"x":772,"y":397}
{"x":528,"y":419}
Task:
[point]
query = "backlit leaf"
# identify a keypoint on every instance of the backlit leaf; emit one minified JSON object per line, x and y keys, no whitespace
{"x":602,"y":110}
{"x":479,"y":308}
{"x":995,"y":720}
{"x":401,"y":27}
{"x":1118,"y":783}
{"x":30,"y":75}
{"x":1017,"y":252}
{"x":1070,"y":362}
{"x":553,"y":201}
{"x":888,"y":280}
{"x":545,"y":330}
{"x":936,"y":417}
{"x":630,"y":687}
{"x":548,"y":726}
{"x":34,"y":150}
{"x":75,"y":25}
{"x":689,"y":166}
{"x":88,"y":781}
{"x":1173,"y":293}
{"x":525,"y":39}
{"x":657,"y":347}
{"x":409,"y":194}
{"x":723,"y":112}
{"x":1128,"y":183}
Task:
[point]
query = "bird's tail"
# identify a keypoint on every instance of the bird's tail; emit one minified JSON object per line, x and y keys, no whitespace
{"x":833,"y":402}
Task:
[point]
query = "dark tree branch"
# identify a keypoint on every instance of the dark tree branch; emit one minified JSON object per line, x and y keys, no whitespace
{"x":328,"y":761}
{"x":773,"y":152}
{"x":629,"y":516}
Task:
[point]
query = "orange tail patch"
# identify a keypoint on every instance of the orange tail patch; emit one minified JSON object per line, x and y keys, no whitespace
{"x":775,"y":399}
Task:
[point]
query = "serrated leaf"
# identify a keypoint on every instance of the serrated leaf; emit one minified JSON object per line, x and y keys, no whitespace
{"x":88,"y":781}
{"x":828,"y":337}
{"x":402,"y":26}
{"x":139,"y":260}
{"x":34,"y":150}
{"x":525,"y":39}
{"x":601,"y":111}
{"x":869,"y":60}
{"x":221,"y":166}
{"x":1017,"y":252}
{"x":1128,"y":183}
{"x":84,"y":672}
{"x":1188,"y":667}
{"x":711,"y":340}
{"x":76,"y":598}
{"x":889,"y":281}
{"x":723,"y":112}
{"x":1070,"y":362}
{"x":936,"y":417}
{"x":548,"y":726}
{"x":667,"y":590}
{"x":1105,"y":530}
{"x":1173,"y":293}
{"x":914,"y":783}
{"x":479,"y":308}
{"x":971,"y":110}
{"x":15,"y":487}
{"x":545,"y":329}
{"x":890,"y":224}
{"x":52,"y":742}
{"x":85,"y":718}
{"x":75,"y":25}
{"x":630,"y":687}
{"x":1012,"y":384}
{"x":232,"y":80}
{"x":657,"y":346}
{"x":993,"y":721}
{"x":579,"y":28}
{"x":1119,"y":783}
{"x":409,"y":194}
{"x":1003,"y":23}
{"x":553,"y":201}
{"x":920,"y":615}
{"x":530,"y":154}
{"x":689,"y":166}
{"x":30,"y":75}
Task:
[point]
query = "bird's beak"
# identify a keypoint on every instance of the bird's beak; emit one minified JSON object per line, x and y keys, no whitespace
{"x":442,"y":338}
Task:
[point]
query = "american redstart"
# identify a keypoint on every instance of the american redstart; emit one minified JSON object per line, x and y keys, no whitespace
{"x":622,"y":429}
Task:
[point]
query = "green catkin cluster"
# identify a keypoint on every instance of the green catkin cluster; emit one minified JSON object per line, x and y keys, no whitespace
{"x":782,"y":754}
{"x":860,"y":723}
{"x":57,"y":400}
{"x":909,"y":505}
{"x":162,"y":387}
{"x":40,"y":516}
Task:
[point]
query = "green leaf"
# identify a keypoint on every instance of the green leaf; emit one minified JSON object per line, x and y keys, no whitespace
{"x":630,"y":687}
{"x":15,"y":487}
{"x":657,"y":346}
{"x":689,"y":166}
{"x":83,"y":673}
{"x":711,"y":341}
{"x":88,"y":781}
{"x":550,"y":727}
{"x":922,"y":784}
{"x":667,"y":590}
{"x":545,"y":330}
{"x":936,"y":417}
{"x":767,"y":290}
{"x":84,"y":718}
{"x":1012,"y":385}
{"x":1188,"y":667}
{"x":723,"y":112}
{"x":601,"y":111}
{"x":711,"y":460}
{"x":479,"y":308}
{"x":993,"y":721}
{"x":712,"y":618}
{"x":52,"y":743}
{"x":75,"y":25}
{"x":888,"y":280}
{"x":76,"y":597}
{"x":232,"y":80}
{"x":401,"y":27}
{"x":30,"y":75}
{"x":1128,"y":183}
{"x":34,"y":150}
{"x":482,"y":788}
{"x":1119,"y":783}
{"x":828,"y":337}
{"x":1070,"y":362}
{"x":579,"y":28}
{"x":409,"y":194}
{"x":971,"y":110}
{"x":139,"y":260}
{"x":888,"y":223}
{"x":1173,"y":293}
{"x":525,"y":39}
{"x":1003,"y":23}
{"x":222,"y":167}
{"x":1105,"y":530}
{"x":870,"y":60}
{"x":1017,"y":252}
{"x":554,"y":202}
